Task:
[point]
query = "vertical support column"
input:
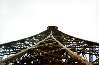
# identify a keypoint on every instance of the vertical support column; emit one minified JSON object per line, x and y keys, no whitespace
{"x":90,"y":55}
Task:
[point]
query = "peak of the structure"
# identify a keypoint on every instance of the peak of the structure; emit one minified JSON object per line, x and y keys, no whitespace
{"x":52,"y":28}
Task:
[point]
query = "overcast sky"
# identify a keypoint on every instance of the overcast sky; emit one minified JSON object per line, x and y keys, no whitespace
{"x":23,"y":18}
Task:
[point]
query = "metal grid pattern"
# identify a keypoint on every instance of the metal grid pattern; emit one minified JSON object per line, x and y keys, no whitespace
{"x":87,"y":49}
{"x":46,"y":52}
{"x":11,"y":48}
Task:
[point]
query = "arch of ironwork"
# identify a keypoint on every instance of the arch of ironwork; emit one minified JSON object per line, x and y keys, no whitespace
{"x":87,"y":49}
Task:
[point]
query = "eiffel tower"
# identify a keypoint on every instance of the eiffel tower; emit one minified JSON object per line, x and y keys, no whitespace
{"x":50,"y":47}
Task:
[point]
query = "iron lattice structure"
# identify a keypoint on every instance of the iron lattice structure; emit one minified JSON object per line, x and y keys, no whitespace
{"x":48,"y":51}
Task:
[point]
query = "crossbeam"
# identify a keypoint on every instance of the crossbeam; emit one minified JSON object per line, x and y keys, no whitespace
{"x":73,"y":55}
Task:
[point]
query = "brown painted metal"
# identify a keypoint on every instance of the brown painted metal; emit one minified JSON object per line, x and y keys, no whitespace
{"x":27,"y":46}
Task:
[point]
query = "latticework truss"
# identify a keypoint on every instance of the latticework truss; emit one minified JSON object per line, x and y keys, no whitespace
{"x":33,"y":51}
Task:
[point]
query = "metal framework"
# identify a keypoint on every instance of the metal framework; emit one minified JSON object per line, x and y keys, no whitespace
{"x":33,"y":51}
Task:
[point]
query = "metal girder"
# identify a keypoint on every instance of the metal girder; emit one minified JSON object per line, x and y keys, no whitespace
{"x":80,"y":46}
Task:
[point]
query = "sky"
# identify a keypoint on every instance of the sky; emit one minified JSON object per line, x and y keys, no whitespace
{"x":23,"y":18}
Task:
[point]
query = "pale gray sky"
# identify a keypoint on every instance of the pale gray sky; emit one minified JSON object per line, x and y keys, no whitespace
{"x":23,"y":18}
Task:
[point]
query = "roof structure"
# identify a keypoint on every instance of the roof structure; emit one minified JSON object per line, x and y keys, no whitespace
{"x":50,"y":47}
